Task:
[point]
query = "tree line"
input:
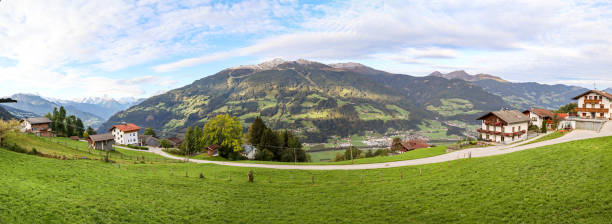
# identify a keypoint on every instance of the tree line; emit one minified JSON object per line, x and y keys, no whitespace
{"x":282,"y":146}
{"x":67,"y":126}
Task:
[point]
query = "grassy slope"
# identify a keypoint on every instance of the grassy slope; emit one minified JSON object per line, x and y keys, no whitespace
{"x":564,"y":183}
{"x":550,"y":136}
{"x":414,"y":154}
{"x":66,"y":147}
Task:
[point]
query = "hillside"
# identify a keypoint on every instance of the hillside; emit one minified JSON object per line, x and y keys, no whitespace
{"x":467,"y":77}
{"x":17,"y":113}
{"x":37,"y":105}
{"x":313,"y":99}
{"x":566,"y":183}
{"x":520,"y":95}
{"x":5,"y":115}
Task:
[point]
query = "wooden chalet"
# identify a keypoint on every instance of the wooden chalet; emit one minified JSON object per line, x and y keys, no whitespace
{"x":594,"y":104}
{"x":102,"y":141}
{"x":504,"y":126}
{"x":40,"y":126}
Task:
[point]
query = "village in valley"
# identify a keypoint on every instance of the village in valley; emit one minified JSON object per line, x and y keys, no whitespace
{"x":497,"y":127}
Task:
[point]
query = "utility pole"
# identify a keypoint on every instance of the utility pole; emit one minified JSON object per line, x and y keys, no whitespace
{"x":351,"y":149}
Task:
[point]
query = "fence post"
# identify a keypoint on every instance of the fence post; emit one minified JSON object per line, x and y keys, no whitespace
{"x":401,"y":174}
{"x":250,"y":175}
{"x":420,"y":172}
{"x":313,"y":180}
{"x":230,"y":175}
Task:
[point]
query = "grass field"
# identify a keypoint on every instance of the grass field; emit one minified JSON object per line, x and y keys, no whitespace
{"x":315,"y":157}
{"x":70,"y":148}
{"x":547,"y":137}
{"x":566,"y":183}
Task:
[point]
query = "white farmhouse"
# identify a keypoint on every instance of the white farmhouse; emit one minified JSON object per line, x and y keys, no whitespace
{"x":125,"y":134}
{"x":594,"y":104}
{"x":538,"y":115}
{"x":504,"y":126}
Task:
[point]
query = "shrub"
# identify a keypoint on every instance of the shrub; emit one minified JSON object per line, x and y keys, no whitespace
{"x":137,"y":147}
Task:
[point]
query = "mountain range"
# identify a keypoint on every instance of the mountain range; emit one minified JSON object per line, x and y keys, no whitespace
{"x":315,"y":100}
{"x":520,"y":95}
{"x":93,"y":111}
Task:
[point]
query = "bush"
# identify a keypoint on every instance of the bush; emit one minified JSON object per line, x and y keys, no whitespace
{"x":174,"y":151}
{"x":137,"y":147}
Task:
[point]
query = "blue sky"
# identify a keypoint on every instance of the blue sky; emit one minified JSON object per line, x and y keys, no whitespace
{"x":74,"y":49}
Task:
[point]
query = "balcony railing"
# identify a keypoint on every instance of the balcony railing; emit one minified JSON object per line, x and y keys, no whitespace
{"x":591,"y":110}
{"x":592,"y":101}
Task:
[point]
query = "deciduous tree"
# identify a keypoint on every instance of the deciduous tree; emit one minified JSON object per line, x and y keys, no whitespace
{"x":225,"y":131}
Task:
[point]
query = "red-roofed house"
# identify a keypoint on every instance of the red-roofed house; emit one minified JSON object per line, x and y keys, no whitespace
{"x":125,"y":134}
{"x":412,"y":145}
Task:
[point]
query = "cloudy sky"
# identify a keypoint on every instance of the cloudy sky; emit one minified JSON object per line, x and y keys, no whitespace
{"x":72,"y":49}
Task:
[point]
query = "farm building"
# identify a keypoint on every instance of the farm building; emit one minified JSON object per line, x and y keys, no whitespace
{"x":538,"y":115}
{"x":594,"y":104}
{"x":102,"y":141}
{"x":40,"y":126}
{"x":412,"y":145}
{"x":148,"y":140}
{"x":125,"y":134}
{"x":504,"y":126}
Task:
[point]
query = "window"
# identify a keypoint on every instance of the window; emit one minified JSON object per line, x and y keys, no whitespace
{"x":584,"y":114}
{"x":601,"y":114}
{"x":601,"y":106}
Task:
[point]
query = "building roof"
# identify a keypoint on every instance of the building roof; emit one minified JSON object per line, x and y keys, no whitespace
{"x":509,"y":116}
{"x":562,"y":115}
{"x":37,"y":120}
{"x":414,"y":144}
{"x":603,"y":93}
{"x":176,"y":140}
{"x":541,"y":112}
{"x":213,"y":147}
{"x":129,"y":127}
{"x":101,"y":137}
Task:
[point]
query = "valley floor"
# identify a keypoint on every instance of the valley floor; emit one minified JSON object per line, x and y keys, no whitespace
{"x":563,"y":183}
{"x":462,"y":154}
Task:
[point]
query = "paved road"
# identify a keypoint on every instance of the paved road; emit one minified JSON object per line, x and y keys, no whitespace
{"x":475,"y":152}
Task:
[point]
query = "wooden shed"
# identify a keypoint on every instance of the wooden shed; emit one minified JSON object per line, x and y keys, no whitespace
{"x":102,"y":141}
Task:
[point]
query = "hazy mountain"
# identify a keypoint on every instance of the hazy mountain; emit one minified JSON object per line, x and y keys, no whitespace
{"x":467,"y":77}
{"x":520,"y":95}
{"x":608,"y":90}
{"x":17,"y":113}
{"x":101,"y":107}
{"x":5,"y":115}
{"x":41,"y":106}
{"x":314,"y":99}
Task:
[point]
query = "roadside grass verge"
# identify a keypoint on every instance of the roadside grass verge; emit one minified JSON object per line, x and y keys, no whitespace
{"x":565,"y":183}
{"x":551,"y":136}
{"x":414,"y":154}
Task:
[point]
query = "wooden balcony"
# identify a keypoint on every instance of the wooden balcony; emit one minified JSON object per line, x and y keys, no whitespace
{"x":592,"y":101}
{"x":590,"y":110}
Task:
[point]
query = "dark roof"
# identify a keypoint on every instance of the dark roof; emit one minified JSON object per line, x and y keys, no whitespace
{"x":213,"y":147}
{"x":176,"y":140}
{"x":541,"y":112}
{"x":594,"y":91}
{"x":37,"y":120}
{"x":509,"y":116}
{"x":102,"y":137}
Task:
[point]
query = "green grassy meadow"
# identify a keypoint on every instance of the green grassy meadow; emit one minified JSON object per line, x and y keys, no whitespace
{"x":565,"y":183}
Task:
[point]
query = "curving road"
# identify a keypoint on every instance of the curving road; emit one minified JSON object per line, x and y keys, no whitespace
{"x":475,"y":152}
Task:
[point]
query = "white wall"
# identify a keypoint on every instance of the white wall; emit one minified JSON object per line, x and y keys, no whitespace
{"x":122,"y":138}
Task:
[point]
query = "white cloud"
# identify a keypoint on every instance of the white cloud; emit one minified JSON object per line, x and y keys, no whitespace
{"x":522,"y":38}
